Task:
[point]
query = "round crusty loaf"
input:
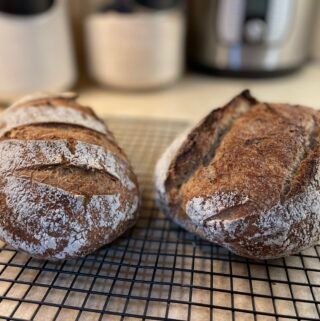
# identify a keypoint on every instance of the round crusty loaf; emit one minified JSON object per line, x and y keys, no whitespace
{"x":66,"y":188}
{"x":247,"y":177}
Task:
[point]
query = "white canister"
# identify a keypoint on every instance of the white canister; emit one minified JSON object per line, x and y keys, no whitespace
{"x":141,"y":50}
{"x":36,"y":52}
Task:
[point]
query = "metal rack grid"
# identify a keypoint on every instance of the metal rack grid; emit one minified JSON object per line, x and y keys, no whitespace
{"x":157,"y":271}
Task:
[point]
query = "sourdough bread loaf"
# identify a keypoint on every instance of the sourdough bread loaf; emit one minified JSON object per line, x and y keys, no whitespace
{"x":247,"y":177}
{"x":66,"y":187}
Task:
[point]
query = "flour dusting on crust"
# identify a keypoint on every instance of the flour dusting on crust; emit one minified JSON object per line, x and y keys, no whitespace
{"x":253,"y":215}
{"x":60,"y":216}
{"x":275,"y":228}
{"x":13,"y":118}
{"x":21,"y":154}
{"x":48,"y":221}
{"x":200,"y":209}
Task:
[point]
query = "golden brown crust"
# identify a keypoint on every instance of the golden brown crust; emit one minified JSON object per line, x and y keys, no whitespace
{"x":65,"y":189}
{"x":264,"y":147}
{"x":203,"y":140}
{"x":258,"y":191}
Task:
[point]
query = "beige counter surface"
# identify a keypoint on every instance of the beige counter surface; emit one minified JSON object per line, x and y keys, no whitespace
{"x":194,"y":95}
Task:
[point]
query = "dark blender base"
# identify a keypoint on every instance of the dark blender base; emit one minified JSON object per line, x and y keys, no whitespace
{"x":243,"y":73}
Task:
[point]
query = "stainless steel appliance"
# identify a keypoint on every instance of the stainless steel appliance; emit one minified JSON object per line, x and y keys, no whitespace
{"x":249,"y":37}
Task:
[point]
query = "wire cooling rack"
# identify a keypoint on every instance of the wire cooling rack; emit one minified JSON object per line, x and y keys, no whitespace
{"x":157,"y":271}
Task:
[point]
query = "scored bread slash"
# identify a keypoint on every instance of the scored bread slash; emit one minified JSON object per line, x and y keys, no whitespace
{"x":66,"y":187}
{"x":247,"y":177}
{"x":19,"y":154}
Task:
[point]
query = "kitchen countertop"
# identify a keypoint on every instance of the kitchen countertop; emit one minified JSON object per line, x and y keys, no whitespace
{"x":195,"y":95}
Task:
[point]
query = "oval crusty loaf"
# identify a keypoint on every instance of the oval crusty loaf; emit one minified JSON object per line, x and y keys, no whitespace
{"x":66,"y":188}
{"x":247,"y":177}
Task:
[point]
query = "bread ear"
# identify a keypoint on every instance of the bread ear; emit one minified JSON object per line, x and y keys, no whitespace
{"x":201,"y":141}
{"x":45,"y":95}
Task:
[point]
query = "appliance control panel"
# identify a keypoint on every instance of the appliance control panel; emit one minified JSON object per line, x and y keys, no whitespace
{"x":253,"y":22}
